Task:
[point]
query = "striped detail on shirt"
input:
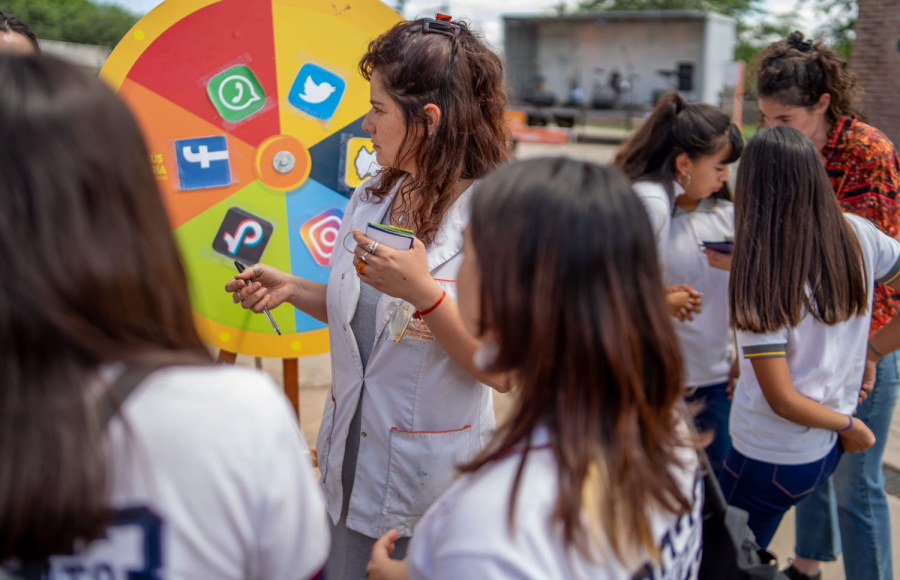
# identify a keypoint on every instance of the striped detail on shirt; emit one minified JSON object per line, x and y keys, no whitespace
{"x":764,"y":351}
{"x":890,"y":276}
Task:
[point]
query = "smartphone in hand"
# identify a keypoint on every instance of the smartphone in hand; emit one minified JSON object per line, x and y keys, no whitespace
{"x":725,"y":246}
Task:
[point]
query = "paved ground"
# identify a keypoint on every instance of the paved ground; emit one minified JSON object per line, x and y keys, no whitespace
{"x":315,"y":377}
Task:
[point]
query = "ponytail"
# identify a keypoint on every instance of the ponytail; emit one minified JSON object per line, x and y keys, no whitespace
{"x":797,"y":72}
{"x":675,"y":127}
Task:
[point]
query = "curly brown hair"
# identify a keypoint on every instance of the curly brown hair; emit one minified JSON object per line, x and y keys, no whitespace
{"x":464,"y":78}
{"x":797,"y":72}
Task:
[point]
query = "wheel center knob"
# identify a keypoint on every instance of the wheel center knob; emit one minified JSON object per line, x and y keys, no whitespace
{"x":283,"y":162}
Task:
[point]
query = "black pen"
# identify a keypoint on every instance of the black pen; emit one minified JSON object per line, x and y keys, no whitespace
{"x":240,"y":268}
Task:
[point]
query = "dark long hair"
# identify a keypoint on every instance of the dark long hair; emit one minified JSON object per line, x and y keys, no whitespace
{"x":92,"y":276}
{"x":11,"y":24}
{"x":794,"y":251}
{"x":464,"y":78}
{"x":675,"y":127}
{"x":580,"y":319}
{"x":797,"y":72}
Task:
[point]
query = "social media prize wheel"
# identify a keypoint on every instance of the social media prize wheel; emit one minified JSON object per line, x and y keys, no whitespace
{"x":252,"y":111}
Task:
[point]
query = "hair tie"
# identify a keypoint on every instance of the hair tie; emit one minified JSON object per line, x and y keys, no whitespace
{"x":795,"y":41}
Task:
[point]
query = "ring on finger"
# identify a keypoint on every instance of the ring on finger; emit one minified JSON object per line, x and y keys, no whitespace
{"x":360,"y":266}
{"x":363,"y":257}
{"x":257,"y":271}
{"x":372,"y":247}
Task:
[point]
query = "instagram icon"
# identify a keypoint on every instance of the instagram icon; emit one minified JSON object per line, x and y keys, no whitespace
{"x":320,"y":234}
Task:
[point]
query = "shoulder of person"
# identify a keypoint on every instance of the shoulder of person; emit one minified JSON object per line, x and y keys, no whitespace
{"x":872,"y":140}
{"x":650,"y":189}
{"x":863,"y":227}
{"x":362,"y":195}
{"x":248,"y":393}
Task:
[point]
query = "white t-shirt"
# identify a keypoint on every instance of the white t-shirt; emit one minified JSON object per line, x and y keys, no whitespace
{"x":706,"y":342}
{"x":465,"y":534}
{"x":211,"y":478}
{"x":658,"y":205}
{"x":826,"y":364}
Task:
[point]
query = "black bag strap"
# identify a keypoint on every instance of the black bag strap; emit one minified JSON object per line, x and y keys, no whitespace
{"x":108,"y":407}
{"x":714,"y":500}
{"x":111,"y":403}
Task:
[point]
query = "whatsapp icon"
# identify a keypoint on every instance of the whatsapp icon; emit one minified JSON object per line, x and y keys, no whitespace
{"x":236,"y":93}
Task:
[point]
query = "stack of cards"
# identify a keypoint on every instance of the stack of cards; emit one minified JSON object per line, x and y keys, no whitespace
{"x":397,"y":238}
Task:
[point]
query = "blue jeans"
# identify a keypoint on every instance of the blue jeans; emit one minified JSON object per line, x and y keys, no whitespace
{"x":767,"y":491}
{"x":852,"y":508}
{"x":714,"y":418}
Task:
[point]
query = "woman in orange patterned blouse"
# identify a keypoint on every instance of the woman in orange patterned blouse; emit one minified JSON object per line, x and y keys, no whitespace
{"x":807,"y":86}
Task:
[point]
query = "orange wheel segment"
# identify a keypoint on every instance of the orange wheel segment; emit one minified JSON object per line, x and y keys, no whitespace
{"x":282,"y":163}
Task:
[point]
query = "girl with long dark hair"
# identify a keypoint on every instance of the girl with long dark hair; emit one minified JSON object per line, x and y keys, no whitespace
{"x":808,"y":86}
{"x":407,"y":404}
{"x":595,"y":474}
{"x":801,"y":292}
{"x":202,"y":472}
{"x":678,"y":160}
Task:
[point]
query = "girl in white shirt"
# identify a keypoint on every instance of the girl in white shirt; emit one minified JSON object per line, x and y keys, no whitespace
{"x":595,"y":475}
{"x":678,"y":160}
{"x":203,"y":472}
{"x":801,"y":292}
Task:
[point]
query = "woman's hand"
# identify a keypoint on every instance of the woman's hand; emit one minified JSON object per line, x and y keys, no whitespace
{"x":858,"y":438}
{"x":381,"y":567}
{"x":718,"y":259}
{"x":683,"y":301}
{"x":259,"y":287}
{"x":402,"y":274}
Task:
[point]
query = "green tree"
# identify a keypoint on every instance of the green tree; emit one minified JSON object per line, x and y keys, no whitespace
{"x":841,"y":19}
{"x":79,"y":21}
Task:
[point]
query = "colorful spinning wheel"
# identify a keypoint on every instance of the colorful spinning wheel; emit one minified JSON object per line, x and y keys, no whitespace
{"x":252,"y":112}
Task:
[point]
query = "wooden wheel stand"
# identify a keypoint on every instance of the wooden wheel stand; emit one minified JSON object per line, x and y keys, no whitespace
{"x":291,"y":376}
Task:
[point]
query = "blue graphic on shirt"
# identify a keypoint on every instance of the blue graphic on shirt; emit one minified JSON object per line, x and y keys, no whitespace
{"x":132,"y":549}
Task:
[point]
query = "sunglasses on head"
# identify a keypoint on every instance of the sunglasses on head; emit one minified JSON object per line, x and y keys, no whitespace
{"x":440,"y":25}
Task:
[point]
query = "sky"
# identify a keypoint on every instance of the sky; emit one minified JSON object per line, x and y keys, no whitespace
{"x":485,"y":14}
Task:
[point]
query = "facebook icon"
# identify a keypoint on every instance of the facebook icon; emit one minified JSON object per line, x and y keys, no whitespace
{"x":203,"y":162}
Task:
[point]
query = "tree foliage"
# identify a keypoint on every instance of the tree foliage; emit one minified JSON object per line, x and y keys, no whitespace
{"x":841,"y":19}
{"x":79,"y":21}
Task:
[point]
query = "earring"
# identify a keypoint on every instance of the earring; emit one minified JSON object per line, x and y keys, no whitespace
{"x":687,"y":180}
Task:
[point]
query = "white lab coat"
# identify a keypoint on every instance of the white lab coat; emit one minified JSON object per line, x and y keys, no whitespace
{"x":422,"y":414}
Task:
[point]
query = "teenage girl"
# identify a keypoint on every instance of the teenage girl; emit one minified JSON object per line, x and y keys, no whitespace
{"x":801,"y":295}
{"x":595,"y":475}
{"x":808,"y":86}
{"x":678,"y":161}
{"x":202,"y":471}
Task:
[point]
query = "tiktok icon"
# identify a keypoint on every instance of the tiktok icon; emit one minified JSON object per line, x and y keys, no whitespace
{"x":242,"y":236}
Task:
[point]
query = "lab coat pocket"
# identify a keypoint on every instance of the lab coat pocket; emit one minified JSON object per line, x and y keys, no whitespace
{"x":422,"y":466}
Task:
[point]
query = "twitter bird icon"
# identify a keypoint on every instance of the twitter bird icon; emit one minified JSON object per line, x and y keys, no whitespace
{"x":317,"y":91}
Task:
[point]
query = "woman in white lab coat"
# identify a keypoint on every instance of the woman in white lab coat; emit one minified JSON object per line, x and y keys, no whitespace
{"x":594,"y":475}
{"x":407,"y":404}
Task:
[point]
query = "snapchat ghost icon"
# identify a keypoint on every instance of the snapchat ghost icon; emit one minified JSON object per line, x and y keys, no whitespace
{"x":360,"y":161}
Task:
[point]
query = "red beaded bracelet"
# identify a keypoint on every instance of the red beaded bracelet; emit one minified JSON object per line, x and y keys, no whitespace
{"x":436,"y":304}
